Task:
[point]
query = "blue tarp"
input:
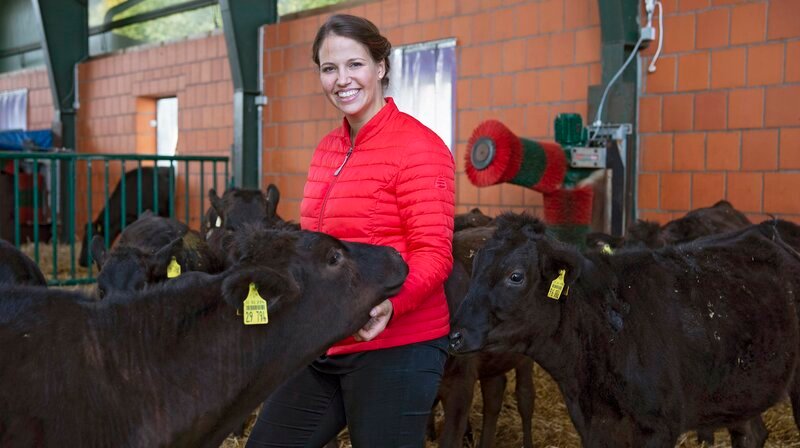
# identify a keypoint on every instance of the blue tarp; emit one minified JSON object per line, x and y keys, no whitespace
{"x":26,"y":140}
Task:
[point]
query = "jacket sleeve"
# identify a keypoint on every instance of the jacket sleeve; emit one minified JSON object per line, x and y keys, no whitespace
{"x":426,"y":203}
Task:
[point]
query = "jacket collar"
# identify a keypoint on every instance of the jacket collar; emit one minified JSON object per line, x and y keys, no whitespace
{"x":374,"y":125}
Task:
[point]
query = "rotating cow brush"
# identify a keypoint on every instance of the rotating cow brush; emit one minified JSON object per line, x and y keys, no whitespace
{"x":496,"y":155}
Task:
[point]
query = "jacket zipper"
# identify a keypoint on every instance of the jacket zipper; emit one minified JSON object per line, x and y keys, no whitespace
{"x":335,"y":178}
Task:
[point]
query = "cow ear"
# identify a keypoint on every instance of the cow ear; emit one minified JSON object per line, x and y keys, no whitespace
{"x":273,"y":286}
{"x":555,"y":256}
{"x":98,"y":251}
{"x":159,"y":261}
{"x":146,"y":214}
{"x":273,"y":196}
{"x":216,"y":202}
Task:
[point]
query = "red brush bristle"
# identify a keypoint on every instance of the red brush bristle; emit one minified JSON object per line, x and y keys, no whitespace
{"x":507,"y":158}
{"x":568,"y":206}
{"x":555,"y":168}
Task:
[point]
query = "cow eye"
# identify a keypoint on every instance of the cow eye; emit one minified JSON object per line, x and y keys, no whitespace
{"x":516,"y":277}
{"x":334,"y":257}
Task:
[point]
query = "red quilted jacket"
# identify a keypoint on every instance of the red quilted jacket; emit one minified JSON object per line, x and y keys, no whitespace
{"x":394,"y":187}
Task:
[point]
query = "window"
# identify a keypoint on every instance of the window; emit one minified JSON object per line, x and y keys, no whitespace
{"x":14,"y":110}
{"x":421,"y":81}
{"x":291,"y":6}
{"x":166,"y":128}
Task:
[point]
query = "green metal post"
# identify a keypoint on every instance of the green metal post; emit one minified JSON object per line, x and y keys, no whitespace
{"x":242,"y":20}
{"x":202,"y":190}
{"x":36,"y":211}
{"x":138,"y":189}
{"x":123,"y":210}
{"x":53,"y":220}
{"x":16,"y":203}
{"x":186,"y":190}
{"x":71,"y":216}
{"x":171,"y":188}
{"x":155,"y":188}
{"x":106,"y":217}
{"x":90,"y":216}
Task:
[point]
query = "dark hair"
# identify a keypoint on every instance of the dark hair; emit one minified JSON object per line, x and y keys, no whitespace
{"x":360,"y":30}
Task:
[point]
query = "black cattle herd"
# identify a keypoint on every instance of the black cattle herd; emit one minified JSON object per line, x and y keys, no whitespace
{"x":693,"y":325}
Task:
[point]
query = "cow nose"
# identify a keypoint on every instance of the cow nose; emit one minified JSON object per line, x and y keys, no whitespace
{"x":456,"y":340}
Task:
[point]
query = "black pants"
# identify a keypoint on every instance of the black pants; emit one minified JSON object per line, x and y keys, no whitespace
{"x":383,"y":396}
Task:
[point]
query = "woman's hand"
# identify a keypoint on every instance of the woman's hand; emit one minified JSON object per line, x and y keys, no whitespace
{"x":379,"y":318}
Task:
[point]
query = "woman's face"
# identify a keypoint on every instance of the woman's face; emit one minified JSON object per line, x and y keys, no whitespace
{"x":351,"y":79}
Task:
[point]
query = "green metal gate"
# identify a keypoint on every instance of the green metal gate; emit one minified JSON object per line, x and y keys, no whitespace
{"x":47,"y":198}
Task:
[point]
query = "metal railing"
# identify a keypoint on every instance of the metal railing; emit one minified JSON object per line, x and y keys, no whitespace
{"x":50,"y":197}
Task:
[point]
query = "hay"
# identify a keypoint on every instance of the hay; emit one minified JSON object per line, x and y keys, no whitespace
{"x":553,"y":428}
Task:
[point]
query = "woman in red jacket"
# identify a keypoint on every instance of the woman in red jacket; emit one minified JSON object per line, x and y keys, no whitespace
{"x":381,"y":178}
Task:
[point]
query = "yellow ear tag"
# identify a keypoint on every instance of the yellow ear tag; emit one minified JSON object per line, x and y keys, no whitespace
{"x":173,"y":269}
{"x":255,"y":308}
{"x":607,"y":249}
{"x":557,"y":285}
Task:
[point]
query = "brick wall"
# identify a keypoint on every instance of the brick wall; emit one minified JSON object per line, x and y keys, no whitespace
{"x":522,"y":62}
{"x":40,"y":101}
{"x":118,"y":94}
{"x":720,"y":116}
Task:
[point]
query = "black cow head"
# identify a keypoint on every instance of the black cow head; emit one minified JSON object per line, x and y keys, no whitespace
{"x":507,"y":305}
{"x":127,"y":268}
{"x":323,"y":265}
{"x":238,"y":206}
{"x":474,"y":218}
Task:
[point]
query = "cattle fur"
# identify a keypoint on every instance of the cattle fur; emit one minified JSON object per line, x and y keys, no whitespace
{"x":646,"y":344}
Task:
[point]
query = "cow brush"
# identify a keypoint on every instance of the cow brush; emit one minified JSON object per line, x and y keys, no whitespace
{"x":568,"y":213}
{"x":496,"y":155}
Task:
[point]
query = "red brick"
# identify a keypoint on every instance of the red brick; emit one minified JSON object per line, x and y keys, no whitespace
{"x":676,"y":191}
{"x":648,"y":191}
{"x":461,"y":27}
{"x":579,"y":14}
{"x":445,"y":8}
{"x":470,"y":59}
{"x":760,"y":150}
{"x":693,"y":5}
{"x":765,"y":64}
{"x":536,"y":52}
{"x":549,"y":87}
{"x":525,"y":85}
{"x":513,"y":55}
{"x":678,"y":112}
{"x":693,"y":72}
{"x":728,"y":68}
{"x":503,"y":90}
{"x":481,"y":92}
{"x":712,"y":28}
{"x":528,"y":23}
{"x":782,"y":19}
{"x":587,"y":45}
{"x":537,"y":121}
{"x":792,"y":62}
{"x":707,"y":189}
{"x":659,"y":217}
{"x":722,"y":151}
{"x":780,"y":192}
{"x":746,"y":108}
{"x":748,"y":23}
{"x":782,"y":106}
{"x":503,"y":24}
{"x":649,"y":114}
{"x":575,"y":83}
{"x":663,"y":80}
{"x":681,"y":31}
{"x":491,"y":56}
{"x":745,"y":191}
{"x":551,"y":16}
{"x":689,"y":152}
{"x":561,"y":49}
{"x":655,"y":153}
{"x":790,"y":149}
{"x":710,"y":111}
